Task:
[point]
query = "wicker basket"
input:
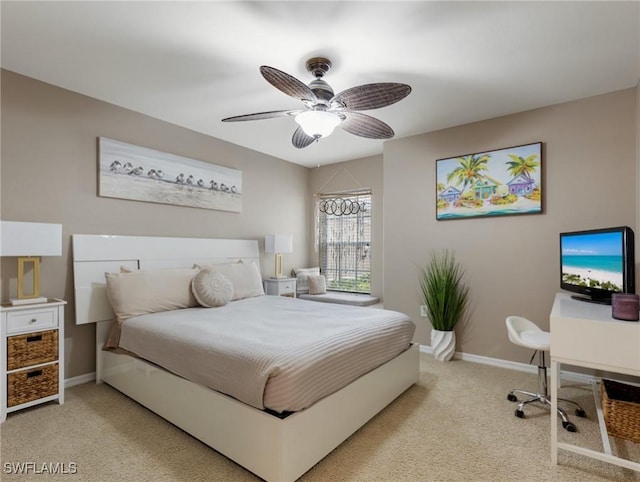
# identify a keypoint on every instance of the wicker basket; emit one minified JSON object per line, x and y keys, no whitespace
{"x":33,"y":384}
{"x":621,"y":409}
{"x":32,"y":349}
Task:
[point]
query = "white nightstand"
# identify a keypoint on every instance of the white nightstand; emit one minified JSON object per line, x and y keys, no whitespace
{"x":31,"y":355}
{"x":280,"y":287}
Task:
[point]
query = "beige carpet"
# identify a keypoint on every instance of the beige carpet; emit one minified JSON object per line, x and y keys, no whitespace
{"x":454,"y":425}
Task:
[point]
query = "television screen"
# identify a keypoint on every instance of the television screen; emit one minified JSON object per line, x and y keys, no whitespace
{"x":598,"y":262}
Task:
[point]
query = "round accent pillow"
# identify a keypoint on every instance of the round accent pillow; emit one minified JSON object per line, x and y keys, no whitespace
{"x":211,"y":288}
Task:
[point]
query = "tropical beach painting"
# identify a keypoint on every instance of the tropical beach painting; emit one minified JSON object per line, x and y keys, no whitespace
{"x":137,"y":173}
{"x":492,"y":183}
{"x":593,"y":260}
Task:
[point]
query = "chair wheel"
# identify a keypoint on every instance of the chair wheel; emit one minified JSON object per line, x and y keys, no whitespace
{"x":569,"y":427}
{"x":580,"y":413}
{"x":512,"y":398}
{"x":519,"y":413}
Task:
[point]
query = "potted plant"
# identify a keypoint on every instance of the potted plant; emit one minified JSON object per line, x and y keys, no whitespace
{"x":446,"y":297}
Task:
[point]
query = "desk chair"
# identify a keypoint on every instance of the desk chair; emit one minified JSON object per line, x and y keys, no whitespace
{"x":525,"y":333}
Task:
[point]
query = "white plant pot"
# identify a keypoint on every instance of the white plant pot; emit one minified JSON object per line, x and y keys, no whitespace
{"x":443,"y":344}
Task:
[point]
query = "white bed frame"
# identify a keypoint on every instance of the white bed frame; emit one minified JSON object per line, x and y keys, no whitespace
{"x":274,"y":449}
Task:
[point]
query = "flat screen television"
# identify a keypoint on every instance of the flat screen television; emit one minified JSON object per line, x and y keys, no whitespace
{"x":597,"y":263}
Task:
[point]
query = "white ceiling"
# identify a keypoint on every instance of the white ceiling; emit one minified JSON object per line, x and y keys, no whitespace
{"x":194,"y":63}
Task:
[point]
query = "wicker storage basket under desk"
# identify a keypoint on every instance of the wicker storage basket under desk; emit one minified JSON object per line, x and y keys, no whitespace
{"x":32,"y":349}
{"x":621,"y":409}
{"x":32,"y":384}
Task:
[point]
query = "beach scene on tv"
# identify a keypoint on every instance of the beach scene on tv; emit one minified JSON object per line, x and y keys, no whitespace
{"x":593,"y":260}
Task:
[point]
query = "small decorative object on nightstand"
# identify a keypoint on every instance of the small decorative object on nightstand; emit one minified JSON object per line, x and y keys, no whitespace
{"x":280,"y":287}
{"x":32,"y":361}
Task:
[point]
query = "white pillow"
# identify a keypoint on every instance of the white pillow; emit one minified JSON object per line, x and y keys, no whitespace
{"x":302,"y":274}
{"x":211,"y":288}
{"x":245,"y":278}
{"x":140,"y":292}
{"x":317,"y":285}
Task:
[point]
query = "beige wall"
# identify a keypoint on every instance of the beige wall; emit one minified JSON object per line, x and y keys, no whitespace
{"x":512,"y":263}
{"x":591,"y":148}
{"x":345,"y":176}
{"x":49,"y":174}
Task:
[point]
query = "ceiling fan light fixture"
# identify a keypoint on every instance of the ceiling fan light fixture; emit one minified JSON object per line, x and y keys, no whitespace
{"x":324,"y":110}
{"x":318,"y":123}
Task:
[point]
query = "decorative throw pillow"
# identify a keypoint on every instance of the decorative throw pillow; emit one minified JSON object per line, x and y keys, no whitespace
{"x":302,"y":275}
{"x":211,"y":288}
{"x":245,"y":278}
{"x":317,"y":285}
{"x":140,"y":292}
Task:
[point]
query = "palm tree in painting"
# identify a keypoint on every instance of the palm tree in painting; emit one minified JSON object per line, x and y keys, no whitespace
{"x":522,"y":166}
{"x":469,"y":171}
{"x":440,"y":187}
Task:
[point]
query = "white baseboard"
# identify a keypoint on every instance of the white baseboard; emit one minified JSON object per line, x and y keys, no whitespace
{"x":521,"y":367}
{"x":79,"y":380}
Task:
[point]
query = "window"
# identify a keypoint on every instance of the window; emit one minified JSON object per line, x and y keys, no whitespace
{"x":344,"y":240}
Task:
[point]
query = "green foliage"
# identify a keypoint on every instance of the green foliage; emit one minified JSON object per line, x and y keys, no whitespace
{"x":571,"y":278}
{"x":444,"y":293}
{"x":535,"y":194}
{"x":360,"y":285}
{"x":521,"y":166}
{"x":608,"y":285}
{"x":468,"y":200}
{"x":590,"y":282}
{"x":469,"y":171}
{"x":502,"y":200}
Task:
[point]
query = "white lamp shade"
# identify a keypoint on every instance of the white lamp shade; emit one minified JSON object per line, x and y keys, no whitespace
{"x":317,"y":123}
{"x":30,"y":239}
{"x":278,"y":243}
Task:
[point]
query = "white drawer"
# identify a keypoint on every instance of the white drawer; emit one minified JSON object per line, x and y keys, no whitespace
{"x":32,"y":320}
{"x":287,"y":287}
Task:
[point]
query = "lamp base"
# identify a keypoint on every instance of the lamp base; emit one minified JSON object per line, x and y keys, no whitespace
{"x":280,"y":276}
{"x":29,"y":301}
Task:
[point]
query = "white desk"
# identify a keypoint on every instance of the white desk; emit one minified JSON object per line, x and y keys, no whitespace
{"x":585,"y":335}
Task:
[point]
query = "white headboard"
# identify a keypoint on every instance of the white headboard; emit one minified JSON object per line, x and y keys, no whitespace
{"x":94,"y":255}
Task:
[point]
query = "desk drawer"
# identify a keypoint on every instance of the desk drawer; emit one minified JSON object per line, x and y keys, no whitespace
{"x":32,"y":349}
{"x":33,"y":320}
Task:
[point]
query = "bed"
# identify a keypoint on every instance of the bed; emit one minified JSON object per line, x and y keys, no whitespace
{"x":272,"y":446}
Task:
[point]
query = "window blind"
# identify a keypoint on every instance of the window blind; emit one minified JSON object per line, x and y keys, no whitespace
{"x":344,"y":235}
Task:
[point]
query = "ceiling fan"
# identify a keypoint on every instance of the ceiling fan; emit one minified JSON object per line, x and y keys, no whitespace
{"x":324,"y":111}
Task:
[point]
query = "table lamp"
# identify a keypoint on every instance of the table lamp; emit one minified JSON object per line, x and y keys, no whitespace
{"x":29,"y":241}
{"x":278,"y":244}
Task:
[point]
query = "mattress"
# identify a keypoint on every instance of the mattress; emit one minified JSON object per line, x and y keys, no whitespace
{"x":270,"y":352}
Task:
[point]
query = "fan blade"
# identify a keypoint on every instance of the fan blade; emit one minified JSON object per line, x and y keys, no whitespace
{"x":288,"y":84}
{"x":365,"y":126}
{"x":262,"y":115}
{"x":372,"y":96}
{"x":300,"y":139}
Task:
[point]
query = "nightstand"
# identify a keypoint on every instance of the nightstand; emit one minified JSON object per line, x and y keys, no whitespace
{"x":280,"y":287}
{"x":32,"y":355}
